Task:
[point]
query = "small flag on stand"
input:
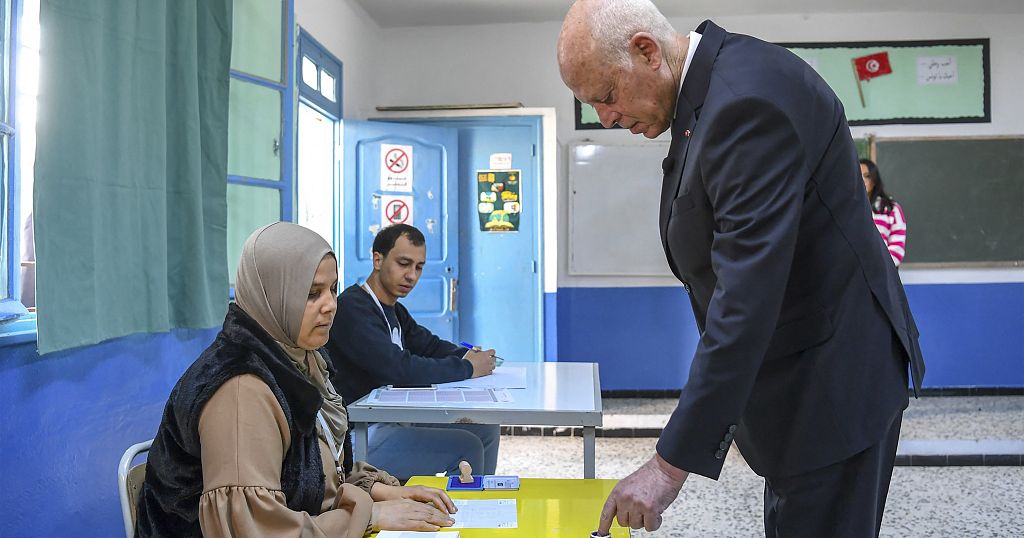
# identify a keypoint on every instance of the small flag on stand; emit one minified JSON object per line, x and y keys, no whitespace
{"x":869,"y":67}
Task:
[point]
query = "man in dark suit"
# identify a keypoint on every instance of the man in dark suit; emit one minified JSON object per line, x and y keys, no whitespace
{"x":806,"y":334}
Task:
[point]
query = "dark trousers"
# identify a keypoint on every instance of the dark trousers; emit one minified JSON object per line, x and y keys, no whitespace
{"x":844,"y":500}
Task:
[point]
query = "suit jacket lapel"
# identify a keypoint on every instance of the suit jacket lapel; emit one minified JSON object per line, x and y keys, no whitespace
{"x":688,"y":105}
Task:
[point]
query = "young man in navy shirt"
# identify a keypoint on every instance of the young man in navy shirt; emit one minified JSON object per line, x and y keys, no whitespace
{"x":375,"y":341}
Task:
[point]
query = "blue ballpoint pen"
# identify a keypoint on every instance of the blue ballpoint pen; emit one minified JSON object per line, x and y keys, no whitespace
{"x":497,"y":360}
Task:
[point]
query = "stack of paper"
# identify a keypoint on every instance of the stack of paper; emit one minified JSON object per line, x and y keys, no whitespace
{"x":417,"y":534}
{"x":485,"y":514}
{"x":438,"y":397}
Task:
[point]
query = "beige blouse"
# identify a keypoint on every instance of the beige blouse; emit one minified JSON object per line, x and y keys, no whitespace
{"x":244,"y":437}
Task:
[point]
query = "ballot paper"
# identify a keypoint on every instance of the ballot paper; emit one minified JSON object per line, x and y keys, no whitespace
{"x":504,"y":377}
{"x":438,"y":397}
{"x":485,"y":514}
{"x":417,"y":534}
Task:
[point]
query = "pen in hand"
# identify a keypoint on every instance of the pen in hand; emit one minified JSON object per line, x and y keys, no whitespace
{"x":497,"y":360}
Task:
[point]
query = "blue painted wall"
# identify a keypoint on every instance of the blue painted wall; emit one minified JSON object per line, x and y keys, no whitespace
{"x":643,"y":338}
{"x":971,"y":334}
{"x":68,"y":417}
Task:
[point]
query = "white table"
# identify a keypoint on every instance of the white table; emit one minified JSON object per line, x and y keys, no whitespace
{"x":557,"y":394}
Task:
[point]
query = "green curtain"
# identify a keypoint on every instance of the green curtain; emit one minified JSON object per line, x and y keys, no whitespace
{"x":131,"y":166}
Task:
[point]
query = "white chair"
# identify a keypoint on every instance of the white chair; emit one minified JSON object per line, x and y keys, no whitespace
{"x":129,"y":482}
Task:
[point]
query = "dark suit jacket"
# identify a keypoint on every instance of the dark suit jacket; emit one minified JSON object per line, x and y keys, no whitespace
{"x":805,"y":328}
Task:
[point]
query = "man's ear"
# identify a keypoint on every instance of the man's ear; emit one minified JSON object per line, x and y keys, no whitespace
{"x":644,"y":45}
{"x":378,"y":259}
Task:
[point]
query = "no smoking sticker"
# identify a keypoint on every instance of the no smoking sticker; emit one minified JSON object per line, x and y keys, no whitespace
{"x":395,"y":210}
{"x":395,"y":168}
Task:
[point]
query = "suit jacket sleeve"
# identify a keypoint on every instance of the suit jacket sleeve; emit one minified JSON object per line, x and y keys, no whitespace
{"x":753,"y":172}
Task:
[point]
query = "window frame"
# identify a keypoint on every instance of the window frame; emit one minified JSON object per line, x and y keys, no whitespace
{"x":286,"y":87}
{"x":16,"y":324}
{"x":310,"y":48}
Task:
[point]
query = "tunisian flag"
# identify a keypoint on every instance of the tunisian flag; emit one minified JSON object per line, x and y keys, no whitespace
{"x":872,"y":65}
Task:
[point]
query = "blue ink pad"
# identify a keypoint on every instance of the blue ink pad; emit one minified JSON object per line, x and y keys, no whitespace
{"x":455,"y":484}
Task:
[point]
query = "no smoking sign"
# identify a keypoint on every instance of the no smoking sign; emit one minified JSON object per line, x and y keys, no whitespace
{"x":395,"y":168}
{"x":396,"y":161}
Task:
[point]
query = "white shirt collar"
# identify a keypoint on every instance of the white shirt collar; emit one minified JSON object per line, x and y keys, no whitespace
{"x":692,"y":48}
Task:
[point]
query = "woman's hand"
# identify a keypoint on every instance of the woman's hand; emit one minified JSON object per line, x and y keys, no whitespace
{"x":408,"y":515}
{"x":423,"y":494}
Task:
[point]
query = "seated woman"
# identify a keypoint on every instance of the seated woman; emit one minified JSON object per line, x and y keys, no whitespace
{"x":253,"y":437}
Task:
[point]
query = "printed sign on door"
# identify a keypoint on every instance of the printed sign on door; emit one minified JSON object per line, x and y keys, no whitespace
{"x":395,"y":210}
{"x":395,"y":168}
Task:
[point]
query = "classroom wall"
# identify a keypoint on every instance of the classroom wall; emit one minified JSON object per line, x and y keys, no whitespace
{"x":599,"y":318}
{"x":67,"y":418}
{"x":640,"y":329}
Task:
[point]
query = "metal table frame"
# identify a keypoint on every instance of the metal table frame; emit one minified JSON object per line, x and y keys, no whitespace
{"x":557,"y":394}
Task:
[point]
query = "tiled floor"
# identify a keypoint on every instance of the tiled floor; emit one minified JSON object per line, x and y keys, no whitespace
{"x":923,"y":501}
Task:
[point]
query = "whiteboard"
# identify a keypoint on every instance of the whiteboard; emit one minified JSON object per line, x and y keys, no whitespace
{"x":614,"y":200}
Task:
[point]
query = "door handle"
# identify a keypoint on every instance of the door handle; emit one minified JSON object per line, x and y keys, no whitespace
{"x":453,"y":294}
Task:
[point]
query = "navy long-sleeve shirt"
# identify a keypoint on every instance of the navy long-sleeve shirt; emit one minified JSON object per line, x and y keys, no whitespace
{"x":362,"y":352}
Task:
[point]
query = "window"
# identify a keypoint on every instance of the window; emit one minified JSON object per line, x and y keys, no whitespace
{"x":321,"y":73}
{"x":19,"y":60}
{"x":318,"y":185}
{"x":260,"y":121}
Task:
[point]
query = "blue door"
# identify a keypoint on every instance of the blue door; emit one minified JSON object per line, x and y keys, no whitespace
{"x":500,"y":291}
{"x":502,"y":298}
{"x":403,"y":173}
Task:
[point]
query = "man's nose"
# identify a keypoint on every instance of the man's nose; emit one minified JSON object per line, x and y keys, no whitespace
{"x":607,"y":116}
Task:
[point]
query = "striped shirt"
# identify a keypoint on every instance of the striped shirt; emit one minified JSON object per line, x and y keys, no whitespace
{"x":893,"y":227}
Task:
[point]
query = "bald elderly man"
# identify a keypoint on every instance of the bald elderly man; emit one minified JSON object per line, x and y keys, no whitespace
{"x":805,"y":331}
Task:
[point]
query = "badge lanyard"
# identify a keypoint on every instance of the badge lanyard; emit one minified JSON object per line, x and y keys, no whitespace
{"x":331,"y":444}
{"x":396,"y":332}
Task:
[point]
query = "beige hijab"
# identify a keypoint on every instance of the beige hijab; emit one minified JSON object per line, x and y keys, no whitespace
{"x":274,"y":275}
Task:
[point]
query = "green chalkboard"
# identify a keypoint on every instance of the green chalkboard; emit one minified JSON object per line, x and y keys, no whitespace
{"x":963,"y":198}
{"x":863,"y":147}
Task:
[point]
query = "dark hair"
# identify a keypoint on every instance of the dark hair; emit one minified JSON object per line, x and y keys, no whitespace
{"x":385,"y":240}
{"x":881,"y":202}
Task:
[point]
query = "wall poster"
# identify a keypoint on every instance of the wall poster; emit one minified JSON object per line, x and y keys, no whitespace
{"x":499,"y":202}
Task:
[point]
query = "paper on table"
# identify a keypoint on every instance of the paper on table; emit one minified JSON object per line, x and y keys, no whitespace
{"x":438,"y":397}
{"x":417,"y":534}
{"x":504,"y":377}
{"x":485,"y":514}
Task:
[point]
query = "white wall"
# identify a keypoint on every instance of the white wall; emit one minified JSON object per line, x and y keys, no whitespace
{"x":353,"y":37}
{"x":516,"y":62}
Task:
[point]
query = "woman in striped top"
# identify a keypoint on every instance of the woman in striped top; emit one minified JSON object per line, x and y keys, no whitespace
{"x":889,"y":218}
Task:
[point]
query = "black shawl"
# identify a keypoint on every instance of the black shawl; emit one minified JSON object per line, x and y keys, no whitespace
{"x":169,"y":501}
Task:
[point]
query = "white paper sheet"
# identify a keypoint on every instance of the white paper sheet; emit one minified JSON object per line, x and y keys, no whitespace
{"x":937,"y":70}
{"x":485,"y":514}
{"x":438,"y":397}
{"x":504,"y":377}
{"x":417,"y":534}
